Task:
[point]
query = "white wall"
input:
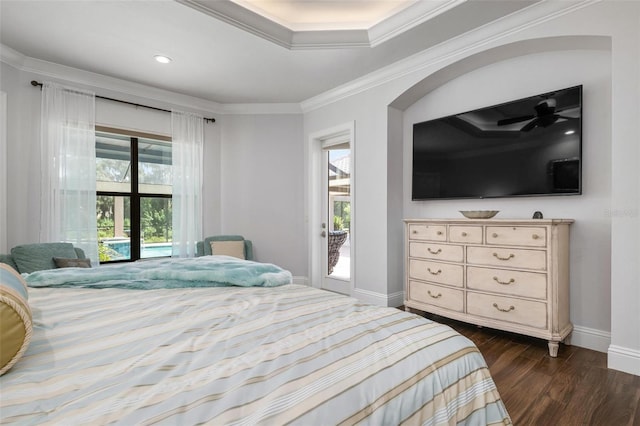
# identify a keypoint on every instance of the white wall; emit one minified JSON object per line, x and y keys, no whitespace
{"x":624,"y":352}
{"x":591,"y":234}
{"x":263,"y":192}
{"x":8,"y":78}
{"x":369,"y":215}
{"x":395,"y":202}
{"x":3,"y":172}
{"x":23,"y":163}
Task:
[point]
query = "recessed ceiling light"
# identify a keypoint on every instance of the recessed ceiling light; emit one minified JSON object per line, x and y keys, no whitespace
{"x":162,"y":59}
{"x":569,"y":132}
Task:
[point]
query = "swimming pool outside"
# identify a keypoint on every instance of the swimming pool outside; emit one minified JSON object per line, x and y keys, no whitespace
{"x":156,"y":250}
{"x":123,"y":249}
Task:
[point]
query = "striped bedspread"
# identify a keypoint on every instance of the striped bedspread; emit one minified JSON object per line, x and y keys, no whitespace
{"x":241,"y":356}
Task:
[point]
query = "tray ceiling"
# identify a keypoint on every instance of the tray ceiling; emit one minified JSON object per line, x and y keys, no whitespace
{"x":309,"y":24}
{"x":223,"y":52}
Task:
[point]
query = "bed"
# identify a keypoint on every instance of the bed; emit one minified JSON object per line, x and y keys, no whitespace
{"x":113,"y":350}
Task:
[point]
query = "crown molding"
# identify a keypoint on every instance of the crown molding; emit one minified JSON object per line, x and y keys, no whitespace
{"x":256,"y":24}
{"x":336,"y":39}
{"x":460,"y":46}
{"x":414,"y":15}
{"x":11,"y":57}
{"x":238,"y":16}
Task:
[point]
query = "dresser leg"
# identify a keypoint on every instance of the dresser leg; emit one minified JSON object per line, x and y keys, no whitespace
{"x":553,"y":348}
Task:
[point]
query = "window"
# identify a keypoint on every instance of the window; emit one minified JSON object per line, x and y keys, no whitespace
{"x":133,"y":208}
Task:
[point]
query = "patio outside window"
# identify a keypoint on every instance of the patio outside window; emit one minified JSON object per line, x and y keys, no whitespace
{"x":133,"y":196}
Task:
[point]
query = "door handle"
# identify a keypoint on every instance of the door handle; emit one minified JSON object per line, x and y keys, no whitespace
{"x":323,"y":234}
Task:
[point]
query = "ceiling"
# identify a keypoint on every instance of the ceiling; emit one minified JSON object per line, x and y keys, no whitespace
{"x":310,"y":15}
{"x":241,"y":51}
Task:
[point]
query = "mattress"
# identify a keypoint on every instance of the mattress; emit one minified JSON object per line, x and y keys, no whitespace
{"x":290,"y":354}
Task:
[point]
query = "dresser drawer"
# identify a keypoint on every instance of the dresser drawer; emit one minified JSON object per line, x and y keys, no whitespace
{"x":465,"y":234}
{"x":428,"y":232}
{"x":504,"y":281}
{"x":442,"y":273}
{"x":509,"y":309}
{"x":528,"y":236}
{"x":430,"y":294}
{"x":451,"y":253}
{"x":508,"y":257}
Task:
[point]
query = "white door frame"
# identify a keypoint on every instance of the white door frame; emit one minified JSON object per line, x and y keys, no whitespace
{"x":344,"y":132}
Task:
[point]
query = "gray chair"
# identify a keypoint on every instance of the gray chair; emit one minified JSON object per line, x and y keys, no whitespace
{"x":203,"y":248}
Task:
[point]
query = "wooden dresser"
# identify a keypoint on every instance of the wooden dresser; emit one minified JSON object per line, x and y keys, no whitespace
{"x":511,"y":275}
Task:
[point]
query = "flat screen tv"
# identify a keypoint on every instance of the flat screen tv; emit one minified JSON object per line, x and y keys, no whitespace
{"x":527,"y":147}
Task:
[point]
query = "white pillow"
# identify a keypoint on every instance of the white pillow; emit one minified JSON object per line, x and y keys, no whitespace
{"x":228,"y":248}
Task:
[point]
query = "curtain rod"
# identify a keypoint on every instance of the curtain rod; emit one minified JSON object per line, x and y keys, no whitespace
{"x":207,"y":120}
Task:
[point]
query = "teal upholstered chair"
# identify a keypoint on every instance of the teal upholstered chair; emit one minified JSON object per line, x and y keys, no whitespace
{"x":203,"y":248}
{"x":29,"y":258}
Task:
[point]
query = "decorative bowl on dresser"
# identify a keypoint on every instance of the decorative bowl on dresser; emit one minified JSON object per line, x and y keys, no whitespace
{"x":479,"y":214}
{"x":511,"y":275}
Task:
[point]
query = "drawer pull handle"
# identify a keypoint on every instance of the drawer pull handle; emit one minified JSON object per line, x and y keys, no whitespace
{"x":433,"y":251}
{"x":436,"y":296}
{"x":438,"y":272}
{"x":511,"y":308}
{"x":414,"y":231}
{"x":497,"y":256}
{"x":535,"y":236}
{"x":464,"y":234}
{"x":511,"y":281}
{"x":439,"y":233}
{"x":494,"y":235}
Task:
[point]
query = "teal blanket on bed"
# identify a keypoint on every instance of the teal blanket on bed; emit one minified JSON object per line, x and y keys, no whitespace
{"x":205,"y":271}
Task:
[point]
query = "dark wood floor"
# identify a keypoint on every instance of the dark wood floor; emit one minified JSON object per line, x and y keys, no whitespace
{"x":576,"y":388}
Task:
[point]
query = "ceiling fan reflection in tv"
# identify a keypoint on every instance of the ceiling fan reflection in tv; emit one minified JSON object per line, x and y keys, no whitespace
{"x":545,"y":115}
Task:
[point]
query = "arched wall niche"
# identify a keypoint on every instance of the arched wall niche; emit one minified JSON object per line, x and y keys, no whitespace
{"x":587,"y":287}
{"x":493,"y":55}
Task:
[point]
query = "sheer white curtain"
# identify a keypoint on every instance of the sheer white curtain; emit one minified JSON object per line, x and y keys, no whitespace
{"x":187,"y":134}
{"x":68,"y":168}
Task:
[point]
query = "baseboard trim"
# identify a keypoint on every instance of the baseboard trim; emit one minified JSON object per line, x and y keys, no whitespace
{"x":380,"y":299}
{"x":300,"y":280}
{"x":590,"y":338}
{"x":624,"y":359}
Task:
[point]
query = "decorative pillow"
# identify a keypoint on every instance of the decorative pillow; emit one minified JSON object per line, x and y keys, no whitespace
{"x":15,"y":318}
{"x":228,"y":248}
{"x":8,"y":260}
{"x":63,"y":262}
{"x":39,"y":256}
